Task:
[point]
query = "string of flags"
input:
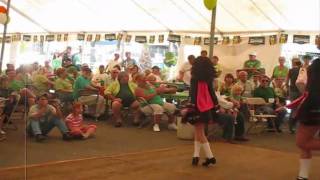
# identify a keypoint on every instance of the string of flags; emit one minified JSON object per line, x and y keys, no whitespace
{"x":174,"y":38}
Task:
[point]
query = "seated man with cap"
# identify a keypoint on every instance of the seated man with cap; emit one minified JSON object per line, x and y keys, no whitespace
{"x":95,"y":101}
{"x":267,"y":93}
{"x":43,"y":117}
{"x":252,"y":65}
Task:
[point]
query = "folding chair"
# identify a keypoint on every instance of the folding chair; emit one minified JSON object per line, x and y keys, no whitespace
{"x":258,"y":120}
{"x":8,"y":113}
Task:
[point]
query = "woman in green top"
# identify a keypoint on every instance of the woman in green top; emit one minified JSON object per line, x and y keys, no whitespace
{"x":225,"y":88}
{"x":280,"y":71}
{"x":41,"y":82}
{"x":154,"y":104}
{"x":14,"y":84}
{"x":63,"y":86}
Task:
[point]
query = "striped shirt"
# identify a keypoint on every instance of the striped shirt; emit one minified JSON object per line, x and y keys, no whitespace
{"x":74,"y":121}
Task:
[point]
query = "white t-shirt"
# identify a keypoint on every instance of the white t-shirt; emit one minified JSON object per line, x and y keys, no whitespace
{"x":113,"y":63}
{"x":97,"y":78}
{"x":186,"y":69}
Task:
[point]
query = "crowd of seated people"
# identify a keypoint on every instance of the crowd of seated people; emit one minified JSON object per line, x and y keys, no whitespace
{"x":140,"y":92}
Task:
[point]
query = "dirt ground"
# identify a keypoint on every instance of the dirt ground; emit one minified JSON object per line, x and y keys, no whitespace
{"x":155,"y":156}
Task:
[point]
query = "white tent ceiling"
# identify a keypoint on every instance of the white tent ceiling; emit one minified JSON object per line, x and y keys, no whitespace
{"x":28,"y":16}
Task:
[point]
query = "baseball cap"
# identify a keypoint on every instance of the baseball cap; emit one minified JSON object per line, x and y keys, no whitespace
{"x":253,"y":53}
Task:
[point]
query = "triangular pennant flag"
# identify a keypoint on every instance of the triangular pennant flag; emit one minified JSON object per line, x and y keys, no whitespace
{"x":97,"y":37}
{"x":35,"y":38}
{"x":59,"y":37}
{"x":152,"y":39}
{"x":236,"y":40}
{"x":128,"y":38}
{"x":273,"y":39}
{"x":65,"y":37}
{"x":283,"y":38}
{"x":161,"y":38}
{"x":89,"y":37}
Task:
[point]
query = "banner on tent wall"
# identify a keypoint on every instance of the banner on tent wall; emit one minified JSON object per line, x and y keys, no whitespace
{"x":110,"y":37}
{"x":273,"y":39}
{"x":206,"y":41}
{"x":80,"y":37}
{"x":141,"y":39}
{"x":59,"y":37}
{"x":258,"y":40}
{"x":8,"y":39}
{"x":26,"y":38}
{"x":152,"y":39}
{"x":50,"y":37}
{"x":89,"y":37}
{"x":197,"y":41}
{"x":41,"y":38}
{"x":16,"y":37}
{"x":35,"y":38}
{"x":119,"y":36}
{"x":128,"y":38}
{"x":97,"y":37}
{"x":301,"y":39}
{"x":283,"y":38}
{"x":161,"y":38}
{"x":65,"y":37}
{"x":236,"y":40}
{"x":225,"y":40}
{"x":174,"y":38}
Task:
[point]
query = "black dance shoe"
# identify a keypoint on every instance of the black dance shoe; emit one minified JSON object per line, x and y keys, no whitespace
{"x":195,"y":161}
{"x":209,"y":161}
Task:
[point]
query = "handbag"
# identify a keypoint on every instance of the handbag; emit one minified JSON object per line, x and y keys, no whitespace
{"x":189,"y":114}
{"x":302,"y":78}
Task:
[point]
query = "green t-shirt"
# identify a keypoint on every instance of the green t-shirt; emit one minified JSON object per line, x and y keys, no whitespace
{"x":76,"y":59}
{"x":80,"y":83}
{"x":40,"y":82}
{"x":156,"y":99}
{"x":56,"y":63}
{"x":62,"y":84}
{"x":252,"y":64}
{"x":265,"y":93}
{"x":16,"y":85}
{"x":277,"y":72}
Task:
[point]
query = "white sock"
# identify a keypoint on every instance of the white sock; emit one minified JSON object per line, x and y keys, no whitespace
{"x":304,"y":168}
{"x":197,"y":147}
{"x":207,"y":150}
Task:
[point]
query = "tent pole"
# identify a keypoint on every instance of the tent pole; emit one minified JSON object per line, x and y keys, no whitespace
{"x":213,"y":25}
{"x":4,"y":36}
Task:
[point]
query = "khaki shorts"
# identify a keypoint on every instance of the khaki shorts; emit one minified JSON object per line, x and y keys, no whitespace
{"x":153,"y":109}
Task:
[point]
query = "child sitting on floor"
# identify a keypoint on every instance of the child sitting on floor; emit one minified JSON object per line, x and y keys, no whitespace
{"x":75,"y":123}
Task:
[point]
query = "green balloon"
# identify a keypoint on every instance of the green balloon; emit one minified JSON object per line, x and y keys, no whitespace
{"x":210,"y":4}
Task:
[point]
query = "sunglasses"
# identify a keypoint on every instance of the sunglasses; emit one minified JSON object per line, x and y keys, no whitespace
{"x":264,"y":80}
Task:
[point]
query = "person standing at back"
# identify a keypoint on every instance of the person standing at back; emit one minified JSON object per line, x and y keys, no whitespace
{"x":128,"y":62}
{"x":293,"y":90}
{"x":115,"y":61}
{"x":185,"y":71}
